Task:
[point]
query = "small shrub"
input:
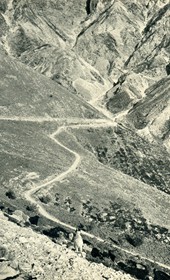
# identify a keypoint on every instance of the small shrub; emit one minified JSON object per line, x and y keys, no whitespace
{"x":32,"y":207}
{"x":3,"y":6}
{"x":11,"y":194}
{"x":28,"y":277}
{"x":135,"y":239}
{"x":45,"y":198}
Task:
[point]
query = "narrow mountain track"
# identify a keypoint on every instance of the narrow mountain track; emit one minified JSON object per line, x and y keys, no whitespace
{"x":50,"y":119}
{"x":57,"y":178}
{"x":29,"y":194}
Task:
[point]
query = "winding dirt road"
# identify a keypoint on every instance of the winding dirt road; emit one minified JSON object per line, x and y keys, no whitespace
{"x":29,"y":194}
{"x":74,"y":124}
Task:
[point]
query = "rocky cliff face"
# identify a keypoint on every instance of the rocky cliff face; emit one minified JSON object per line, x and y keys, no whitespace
{"x":43,"y":35}
{"x":150,"y":116}
{"x":94,"y":47}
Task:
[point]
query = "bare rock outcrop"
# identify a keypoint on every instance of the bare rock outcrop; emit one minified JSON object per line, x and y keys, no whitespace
{"x":150,"y":116}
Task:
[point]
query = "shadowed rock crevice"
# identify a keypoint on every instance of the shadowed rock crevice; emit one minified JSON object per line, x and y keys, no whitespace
{"x":168,"y":69}
{"x":91,"y":6}
{"x":88,"y":7}
{"x":157,"y":17}
{"x":34,"y":220}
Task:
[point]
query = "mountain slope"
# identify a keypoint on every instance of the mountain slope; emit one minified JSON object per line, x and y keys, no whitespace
{"x":47,"y":262}
{"x":82,"y":47}
{"x":84,"y":119}
{"x":26,"y":93}
{"x":123,"y":149}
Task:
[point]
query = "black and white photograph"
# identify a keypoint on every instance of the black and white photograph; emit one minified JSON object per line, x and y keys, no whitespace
{"x":84,"y":139}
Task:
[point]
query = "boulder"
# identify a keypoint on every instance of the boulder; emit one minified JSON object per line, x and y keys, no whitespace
{"x":19,"y":217}
{"x":7,"y":272}
{"x":103,"y":217}
{"x":136,"y":269}
{"x":134,"y":239}
{"x":160,"y":275}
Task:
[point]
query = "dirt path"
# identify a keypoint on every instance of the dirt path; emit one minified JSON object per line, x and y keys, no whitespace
{"x":66,"y":121}
{"x":29,"y":194}
{"x":75,"y":124}
{"x":90,"y":123}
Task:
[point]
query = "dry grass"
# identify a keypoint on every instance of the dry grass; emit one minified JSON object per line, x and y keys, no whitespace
{"x":24,"y":92}
{"x":99,"y":187}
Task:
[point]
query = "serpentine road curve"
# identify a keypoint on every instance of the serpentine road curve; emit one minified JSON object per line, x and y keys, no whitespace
{"x":76,"y":124}
{"x":29,"y":194}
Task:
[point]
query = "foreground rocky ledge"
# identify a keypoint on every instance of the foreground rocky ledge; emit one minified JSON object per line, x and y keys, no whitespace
{"x":25,"y":254}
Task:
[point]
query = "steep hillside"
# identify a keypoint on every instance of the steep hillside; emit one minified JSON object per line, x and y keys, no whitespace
{"x":84,"y":122}
{"x":42,"y":34}
{"x":48,"y":262}
{"x":94,"y":47}
{"x":59,"y":39}
{"x":123,"y":149}
{"x":28,"y":94}
{"x":33,"y":159}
